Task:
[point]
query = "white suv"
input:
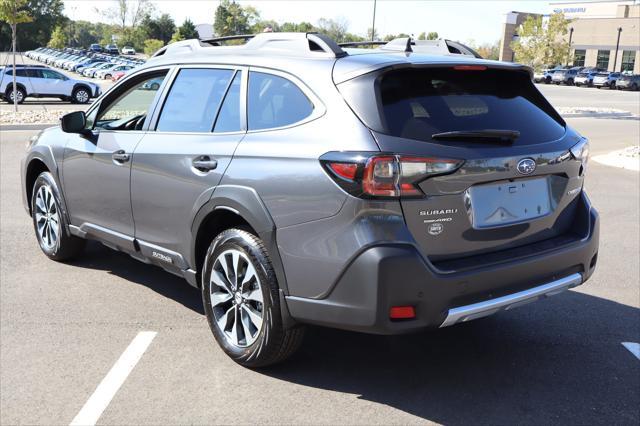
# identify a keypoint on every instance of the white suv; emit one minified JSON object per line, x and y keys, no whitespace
{"x":43,"y":82}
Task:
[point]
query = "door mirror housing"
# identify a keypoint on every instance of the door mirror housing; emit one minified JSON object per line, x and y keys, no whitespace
{"x":74,"y":122}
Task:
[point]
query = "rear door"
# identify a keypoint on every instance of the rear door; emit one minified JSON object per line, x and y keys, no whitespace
{"x":183,"y":157}
{"x":508,"y":193}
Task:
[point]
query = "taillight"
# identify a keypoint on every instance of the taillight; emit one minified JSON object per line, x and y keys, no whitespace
{"x":369,"y":175}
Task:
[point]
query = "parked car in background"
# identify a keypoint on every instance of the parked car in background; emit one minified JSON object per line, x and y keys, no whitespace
{"x":91,"y":72}
{"x":585,"y":77}
{"x":128,"y":50}
{"x":118,"y":75}
{"x":545,"y":75}
{"x":107,"y":73}
{"x":565,"y":76}
{"x":38,"y":81}
{"x":606,"y":79}
{"x":111,"y":49}
{"x":95,"y":47}
{"x":628,"y":82}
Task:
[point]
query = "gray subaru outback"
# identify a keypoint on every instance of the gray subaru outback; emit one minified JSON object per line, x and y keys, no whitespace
{"x":383,"y":190}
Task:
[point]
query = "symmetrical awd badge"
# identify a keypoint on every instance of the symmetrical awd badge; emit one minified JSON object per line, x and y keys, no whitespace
{"x":526,"y":166}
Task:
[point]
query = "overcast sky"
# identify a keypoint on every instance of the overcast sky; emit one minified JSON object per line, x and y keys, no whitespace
{"x":454,"y":19}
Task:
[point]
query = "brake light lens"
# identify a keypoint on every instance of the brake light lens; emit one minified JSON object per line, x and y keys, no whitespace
{"x":386,"y":175}
{"x":470,"y":68}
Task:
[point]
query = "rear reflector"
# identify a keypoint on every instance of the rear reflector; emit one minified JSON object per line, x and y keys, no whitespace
{"x":402,"y":312}
{"x":345,"y":170}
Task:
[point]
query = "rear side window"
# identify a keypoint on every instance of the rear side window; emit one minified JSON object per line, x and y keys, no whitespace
{"x":194,"y":100}
{"x":420,"y":102}
{"x":274,"y":101}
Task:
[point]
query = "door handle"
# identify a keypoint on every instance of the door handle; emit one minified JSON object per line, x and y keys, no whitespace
{"x":204,"y":163}
{"x":120,"y":156}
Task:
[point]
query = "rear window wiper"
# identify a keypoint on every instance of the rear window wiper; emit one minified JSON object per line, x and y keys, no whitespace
{"x":486,"y":135}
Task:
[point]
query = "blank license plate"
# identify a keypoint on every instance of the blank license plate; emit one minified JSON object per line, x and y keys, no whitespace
{"x":506,"y":203}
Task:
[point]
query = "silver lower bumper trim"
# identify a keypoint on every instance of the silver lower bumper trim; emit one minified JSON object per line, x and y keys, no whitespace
{"x":489,"y":307}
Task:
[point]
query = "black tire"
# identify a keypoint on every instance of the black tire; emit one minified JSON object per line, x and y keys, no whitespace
{"x":64,"y":246}
{"x":570,"y":82}
{"x":272,"y":342}
{"x":107,"y":77}
{"x":81,"y":95}
{"x":634,"y":87}
{"x":547,"y":80}
{"x":9,"y":94}
{"x":612,"y":86}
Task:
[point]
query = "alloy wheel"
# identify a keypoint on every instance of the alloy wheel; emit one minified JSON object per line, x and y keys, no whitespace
{"x":236,"y":298}
{"x":17,"y":93}
{"x":47,"y":217}
{"x":82,"y":96}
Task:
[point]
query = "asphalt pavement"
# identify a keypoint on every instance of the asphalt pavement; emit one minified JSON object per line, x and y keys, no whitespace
{"x":558,"y":361}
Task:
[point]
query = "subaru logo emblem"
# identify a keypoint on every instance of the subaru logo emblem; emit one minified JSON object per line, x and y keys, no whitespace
{"x":526,"y":166}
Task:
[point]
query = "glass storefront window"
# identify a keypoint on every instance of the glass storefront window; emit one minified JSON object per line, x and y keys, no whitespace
{"x":628,"y":60}
{"x":603,"y":59}
{"x":578,"y":58}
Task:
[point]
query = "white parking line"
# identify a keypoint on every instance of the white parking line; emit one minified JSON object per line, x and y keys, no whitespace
{"x":634,"y":348}
{"x":106,"y":390}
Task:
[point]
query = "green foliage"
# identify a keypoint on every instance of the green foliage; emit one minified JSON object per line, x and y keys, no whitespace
{"x":233,"y":19}
{"x":45,"y":16}
{"x":151,"y":46}
{"x":541,"y":43}
{"x":422,"y":36}
{"x":176,"y":37}
{"x":58,"y":38}
{"x":14,"y":12}
{"x":161,"y":28}
{"x":390,"y":37}
{"x":187,"y":30}
{"x":433,"y":35}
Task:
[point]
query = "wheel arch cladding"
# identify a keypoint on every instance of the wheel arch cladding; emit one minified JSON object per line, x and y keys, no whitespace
{"x":235,"y":206}
{"x":35,"y":167}
{"x":18,"y":85}
{"x":79,"y":86}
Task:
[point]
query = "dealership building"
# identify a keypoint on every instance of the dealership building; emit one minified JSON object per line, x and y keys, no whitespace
{"x":604,"y":34}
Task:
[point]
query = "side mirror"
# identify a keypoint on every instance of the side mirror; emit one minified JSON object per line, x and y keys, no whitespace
{"x":74,"y":122}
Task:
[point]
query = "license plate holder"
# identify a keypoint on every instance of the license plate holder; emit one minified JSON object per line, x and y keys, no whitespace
{"x":506,"y":203}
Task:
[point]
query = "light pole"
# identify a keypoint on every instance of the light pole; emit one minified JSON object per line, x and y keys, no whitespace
{"x":615,"y":58}
{"x":373,"y":25}
{"x":569,"y":52}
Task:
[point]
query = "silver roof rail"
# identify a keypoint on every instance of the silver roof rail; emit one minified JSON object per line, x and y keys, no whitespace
{"x":408,"y":44}
{"x":285,"y":44}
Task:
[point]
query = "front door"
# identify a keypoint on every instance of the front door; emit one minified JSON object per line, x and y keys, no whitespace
{"x":182,"y":158}
{"x":97,"y":169}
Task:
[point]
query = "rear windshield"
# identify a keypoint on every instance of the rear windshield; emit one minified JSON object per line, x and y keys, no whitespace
{"x":417,"y":103}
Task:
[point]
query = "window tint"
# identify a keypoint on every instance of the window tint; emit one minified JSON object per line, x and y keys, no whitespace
{"x":52,"y":75}
{"x":275,"y":102}
{"x":194,"y":100}
{"x":128,"y":111}
{"x":417,"y":103}
{"x":19,"y":72}
{"x":229,"y":115}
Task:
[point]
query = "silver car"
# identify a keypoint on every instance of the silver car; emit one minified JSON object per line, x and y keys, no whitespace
{"x":296,"y":182}
{"x":606,"y":79}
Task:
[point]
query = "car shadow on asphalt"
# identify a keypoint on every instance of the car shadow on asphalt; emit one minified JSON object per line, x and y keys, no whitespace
{"x":153,"y":277}
{"x":558,"y":361}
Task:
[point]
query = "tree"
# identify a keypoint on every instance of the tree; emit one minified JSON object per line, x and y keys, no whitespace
{"x":45,"y":14}
{"x":127,"y":13}
{"x":176,"y":37}
{"x":233,"y":19}
{"x":335,"y":29}
{"x":433,"y":35}
{"x":12,"y":12}
{"x":374,"y":36}
{"x":151,"y":46}
{"x":390,"y":37}
{"x":422,"y":36}
{"x":188,"y":30}
{"x":58,"y":38}
{"x":541,"y":43}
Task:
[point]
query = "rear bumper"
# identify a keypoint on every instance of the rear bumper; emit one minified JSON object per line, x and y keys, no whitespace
{"x":398,"y":275}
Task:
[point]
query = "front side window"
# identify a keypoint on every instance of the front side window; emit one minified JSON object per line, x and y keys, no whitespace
{"x":274,"y":101}
{"x":52,"y":75}
{"x":578,"y":58}
{"x":128,"y":109}
{"x":603,"y":59}
{"x":194,"y":100}
{"x":628,"y":60}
